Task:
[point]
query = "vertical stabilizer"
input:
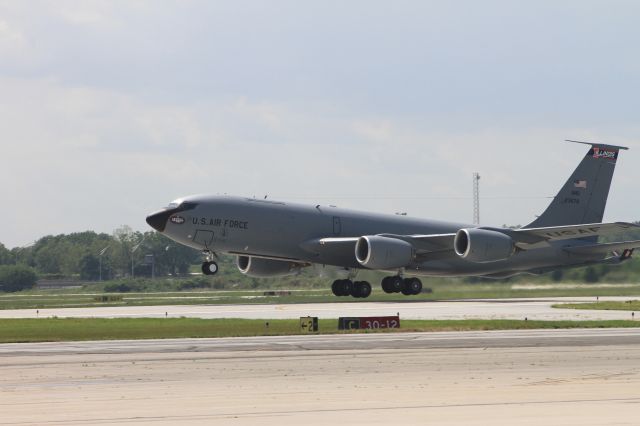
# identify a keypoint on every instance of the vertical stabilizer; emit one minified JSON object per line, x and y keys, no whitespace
{"x":583,"y":197}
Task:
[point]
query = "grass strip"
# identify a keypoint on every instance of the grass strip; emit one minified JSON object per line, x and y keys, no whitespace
{"x":628,"y":305}
{"x":78,"y":329}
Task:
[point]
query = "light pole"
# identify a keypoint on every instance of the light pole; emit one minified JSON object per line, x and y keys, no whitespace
{"x":19,"y":249}
{"x":102,"y":252}
{"x":150,"y":259}
{"x":133,"y":250}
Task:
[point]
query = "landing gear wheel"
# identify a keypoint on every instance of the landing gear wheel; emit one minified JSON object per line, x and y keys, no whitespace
{"x":209,"y":268}
{"x":347,"y":287}
{"x":415,"y":285}
{"x":336,"y":288}
{"x":386,"y":287}
{"x":342,"y":287}
{"x":361,"y":289}
{"x":411,"y":286}
{"x":395,"y":284}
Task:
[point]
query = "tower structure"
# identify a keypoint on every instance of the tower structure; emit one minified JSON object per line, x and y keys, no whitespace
{"x":476,"y":198}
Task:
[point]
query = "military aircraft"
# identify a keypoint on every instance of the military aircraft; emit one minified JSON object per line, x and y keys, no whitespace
{"x":273,"y":238}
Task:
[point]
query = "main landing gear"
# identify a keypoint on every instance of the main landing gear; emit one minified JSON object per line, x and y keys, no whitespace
{"x":359,"y":289}
{"x":209,"y":267}
{"x":406,"y":286}
{"x":362,"y":289}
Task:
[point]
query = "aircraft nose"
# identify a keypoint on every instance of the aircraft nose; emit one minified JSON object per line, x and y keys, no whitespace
{"x":158,"y":220}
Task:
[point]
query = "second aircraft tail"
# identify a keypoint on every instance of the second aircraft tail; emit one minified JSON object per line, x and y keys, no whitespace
{"x":583,"y":197}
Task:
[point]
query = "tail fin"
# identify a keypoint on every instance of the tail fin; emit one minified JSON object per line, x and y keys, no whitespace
{"x":583,"y":197}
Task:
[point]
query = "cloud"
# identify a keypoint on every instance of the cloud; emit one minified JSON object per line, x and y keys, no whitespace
{"x":111,"y":109}
{"x":10,"y":39}
{"x":94,"y":159}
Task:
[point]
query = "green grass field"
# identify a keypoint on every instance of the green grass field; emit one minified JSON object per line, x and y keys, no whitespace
{"x":629,"y":305}
{"x":77,"y":329}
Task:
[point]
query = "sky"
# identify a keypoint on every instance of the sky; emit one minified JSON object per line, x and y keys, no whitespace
{"x":111,"y":109}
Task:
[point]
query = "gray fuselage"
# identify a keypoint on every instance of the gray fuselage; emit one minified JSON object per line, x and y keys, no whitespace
{"x":278,"y":230}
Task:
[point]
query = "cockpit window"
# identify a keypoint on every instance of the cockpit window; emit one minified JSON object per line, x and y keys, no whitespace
{"x":158,"y":220}
{"x":187,"y":206}
{"x":181,"y":207}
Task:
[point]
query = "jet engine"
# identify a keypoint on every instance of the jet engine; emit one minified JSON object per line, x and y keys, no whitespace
{"x":258,"y":267}
{"x":376,"y":252}
{"x":482,"y":245}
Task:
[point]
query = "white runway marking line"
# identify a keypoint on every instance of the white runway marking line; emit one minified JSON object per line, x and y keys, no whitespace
{"x":313,"y":341}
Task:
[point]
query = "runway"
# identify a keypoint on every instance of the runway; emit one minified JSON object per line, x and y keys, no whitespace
{"x":558,"y":377}
{"x":533,"y":309}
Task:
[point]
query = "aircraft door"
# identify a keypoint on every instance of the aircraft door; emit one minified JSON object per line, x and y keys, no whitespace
{"x":337,"y":225}
{"x":204,"y":238}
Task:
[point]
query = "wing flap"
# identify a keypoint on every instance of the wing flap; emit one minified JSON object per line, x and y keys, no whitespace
{"x":604,"y":248}
{"x":528,"y":238}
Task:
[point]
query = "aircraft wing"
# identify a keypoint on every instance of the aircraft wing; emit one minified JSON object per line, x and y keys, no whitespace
{"x":434,"y":243}
{"x":426,"y":243}
{"x":528,"y":238}
{"x":344,"y":245}
{"x":525,"y":238}
{"x":604,"y":248}
{"x":440,"y":246}
{"x":337,"y":241}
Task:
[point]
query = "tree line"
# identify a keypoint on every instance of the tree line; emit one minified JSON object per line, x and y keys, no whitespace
{"x":93,"y":256}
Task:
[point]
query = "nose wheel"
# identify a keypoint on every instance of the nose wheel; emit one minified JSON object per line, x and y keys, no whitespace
{"x":209,"y":268}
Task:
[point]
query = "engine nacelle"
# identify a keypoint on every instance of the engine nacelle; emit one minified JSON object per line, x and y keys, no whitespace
{"x":376,"y":252}
{"x":482,"y":245}
{"x":258,"y":267}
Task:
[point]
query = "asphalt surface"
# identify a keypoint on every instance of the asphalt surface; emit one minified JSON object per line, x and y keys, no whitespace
{"x":553,"y":377}
{"x":525,"y":377}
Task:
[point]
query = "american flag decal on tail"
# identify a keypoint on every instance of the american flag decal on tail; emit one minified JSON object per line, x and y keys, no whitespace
{"x":580,"y":184}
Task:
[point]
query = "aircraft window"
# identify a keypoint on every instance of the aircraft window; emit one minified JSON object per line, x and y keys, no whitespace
{"x":181,"y":207}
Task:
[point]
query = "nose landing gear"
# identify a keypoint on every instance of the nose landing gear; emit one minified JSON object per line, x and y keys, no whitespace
{"x":209,"y":267}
